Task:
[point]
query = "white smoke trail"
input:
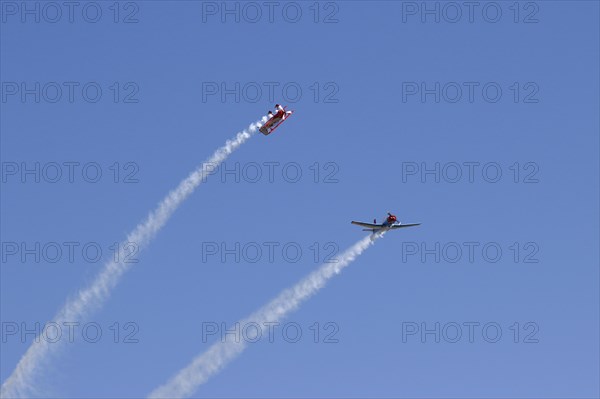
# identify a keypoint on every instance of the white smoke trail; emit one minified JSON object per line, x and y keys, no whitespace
{"x":20,"y":382}
{"x":205,"y":365}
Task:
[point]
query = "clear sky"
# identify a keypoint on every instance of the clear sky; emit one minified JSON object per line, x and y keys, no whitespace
{"x":383,"y":91}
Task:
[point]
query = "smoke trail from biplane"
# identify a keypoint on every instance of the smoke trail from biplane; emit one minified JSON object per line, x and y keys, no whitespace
{"x":20,"y":382}
{"x":205,"y":365}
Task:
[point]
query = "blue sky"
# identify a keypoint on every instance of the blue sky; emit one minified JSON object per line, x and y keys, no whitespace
{"x":360,"y":126}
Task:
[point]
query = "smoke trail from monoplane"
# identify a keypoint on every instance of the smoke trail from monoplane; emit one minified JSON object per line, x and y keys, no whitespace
{"x":20,"y":382}
{"x":205,"y":365}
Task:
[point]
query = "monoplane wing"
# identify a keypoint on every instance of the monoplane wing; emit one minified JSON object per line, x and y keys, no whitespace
{"x":399,"y":226}
{"x":368,"y":225}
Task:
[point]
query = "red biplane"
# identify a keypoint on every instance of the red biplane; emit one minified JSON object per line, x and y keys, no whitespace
{"x":275,"y":119}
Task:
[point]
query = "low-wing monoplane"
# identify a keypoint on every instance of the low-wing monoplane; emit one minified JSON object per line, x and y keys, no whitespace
{"x":275,"y":119}
{"x":391,"y":223}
